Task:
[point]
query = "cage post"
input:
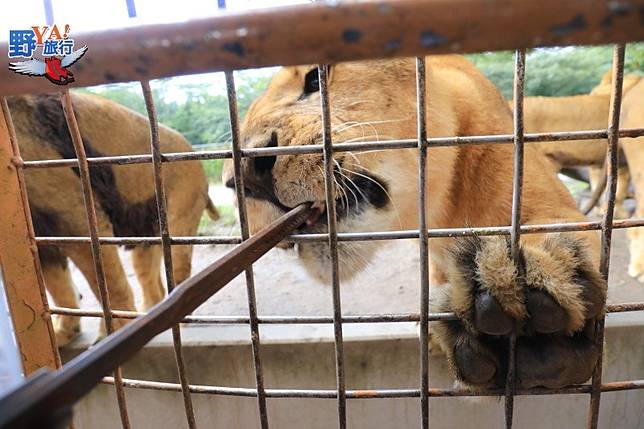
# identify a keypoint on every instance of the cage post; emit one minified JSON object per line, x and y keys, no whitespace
{"x":19,"y":259}
{"x":423,"y":241}
{"x":515,"y":228}
{"x":92,"y":224}
{"x":245,"y":233}
{"x":159,"y":191}
{"x":612,"y":153}
{"x":333,"y":244}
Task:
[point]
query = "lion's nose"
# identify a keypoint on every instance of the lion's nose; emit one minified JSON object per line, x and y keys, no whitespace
{"x":258,"y":175}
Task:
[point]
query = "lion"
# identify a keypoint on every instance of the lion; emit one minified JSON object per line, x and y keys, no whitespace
{"x":588,"y":112}
{"x":124,"y":198}
{"x":632,"y":116}
{"x":552,"y":298}
{"x":579,"y":113}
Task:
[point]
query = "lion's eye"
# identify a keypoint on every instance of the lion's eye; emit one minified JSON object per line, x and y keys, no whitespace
{"x":311,"y":82}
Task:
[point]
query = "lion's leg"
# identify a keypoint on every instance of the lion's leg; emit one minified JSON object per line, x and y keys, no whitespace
{"x":634,"y":152}
{"x":623,"y":179}
{"x":595,"y":177}
{"x":147,"y":263}
{"x":183,"y":224}
{"x":118,"y":288}
{"x":58,"y":281}
{"x":553,"y":305}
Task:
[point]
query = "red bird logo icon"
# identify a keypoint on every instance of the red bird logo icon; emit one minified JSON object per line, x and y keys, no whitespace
{"x":53,"y":68}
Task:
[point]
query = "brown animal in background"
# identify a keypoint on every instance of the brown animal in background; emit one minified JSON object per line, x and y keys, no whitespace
{"x":124,"y":196}
{"x":557,"y":299}
{"x":578,"y":113}
{"x":588,"y":112}
{"x":633,"y":117}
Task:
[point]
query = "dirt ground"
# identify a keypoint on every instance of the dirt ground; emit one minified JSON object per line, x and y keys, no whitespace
{"x":389,"y":285}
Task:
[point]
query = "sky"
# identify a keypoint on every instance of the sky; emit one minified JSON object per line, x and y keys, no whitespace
{"x":93,"y":15}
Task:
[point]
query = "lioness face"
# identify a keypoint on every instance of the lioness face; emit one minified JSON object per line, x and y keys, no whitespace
{"x":366,"y":105}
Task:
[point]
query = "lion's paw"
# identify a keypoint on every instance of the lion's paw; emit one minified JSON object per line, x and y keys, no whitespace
{"x":552,"y":304}
{"x":636,"y":250}
{"x":66,"y":328}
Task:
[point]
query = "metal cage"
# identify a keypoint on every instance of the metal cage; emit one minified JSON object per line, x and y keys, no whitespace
{"x":525,"y":24}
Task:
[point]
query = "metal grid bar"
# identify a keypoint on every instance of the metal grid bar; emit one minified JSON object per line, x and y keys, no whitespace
{"x":329,"y":186}
{"x":90,"y":209}
{"x":423,"y":249}
{"x":615,"y":386}
{"x":607,"y":222}
{"x":294,"y":320}
{"x":340,"y":147}
{"x":470,"y":26}
{"x":515,"y":229}
{"x":243,"y":223}
{"x":159,"y":191}
{"x":362,"y":236}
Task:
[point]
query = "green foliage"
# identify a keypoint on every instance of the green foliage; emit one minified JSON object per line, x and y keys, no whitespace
{"x":557,"y":71}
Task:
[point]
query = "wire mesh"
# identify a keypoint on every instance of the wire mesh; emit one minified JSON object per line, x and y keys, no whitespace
{"x":333,"y":237}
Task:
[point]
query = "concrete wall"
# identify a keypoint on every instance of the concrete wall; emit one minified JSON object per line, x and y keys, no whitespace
{"x":377,"y":356}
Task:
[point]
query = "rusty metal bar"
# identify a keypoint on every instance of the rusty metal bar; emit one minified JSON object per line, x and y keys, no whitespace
{"x":348,"y":31}
{"x":615,"y":386}
{"x":515,"y":229}
{"x":159,"y":191}
{"x":339,"y":147}
{"x":421,"y":92}
{"x":90,"y":209}
{"x":245,"y":234}
{"x":360,"y":236}
{"x":294,"y":320}
{"x":23,"y":276}
{"x":330,"y":191}
{"x":607,"y":222}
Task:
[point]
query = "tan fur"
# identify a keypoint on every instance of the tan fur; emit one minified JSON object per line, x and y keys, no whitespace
{"x":633,"y":117}
{"x":497,"y":274}
{"x":460,"y":102}
{"x":113,"y":130}
{"x":466,"y":185}
{"x":578,"y":113}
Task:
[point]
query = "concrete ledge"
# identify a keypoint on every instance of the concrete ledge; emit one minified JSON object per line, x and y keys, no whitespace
{"x":377,"y":356}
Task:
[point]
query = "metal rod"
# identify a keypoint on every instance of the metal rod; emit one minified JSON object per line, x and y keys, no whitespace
{"x":162,"y":212}
{"x":90,"y":210}
{"x":607,"y":222}
{"x":131,"y":8}
{"x":360,"y":236}
{"x":421,"y":92}
{"x":329,"y":186}
{"x":515,"y":230}
{"x":339,"y":147}
{"x":49,"y":12}
{"x":301,"y":320}
{"x":348,"y":31}
{"x":615,"y":386}
{"x":245,"y":234}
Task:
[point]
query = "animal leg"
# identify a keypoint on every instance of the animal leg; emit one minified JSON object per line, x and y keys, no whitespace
{"x":58,"y":281}
{"x":147,"y":263}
